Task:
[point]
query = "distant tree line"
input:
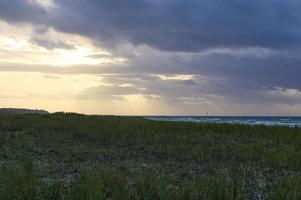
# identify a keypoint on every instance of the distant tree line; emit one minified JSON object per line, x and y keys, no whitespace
{"x":5,"y":111}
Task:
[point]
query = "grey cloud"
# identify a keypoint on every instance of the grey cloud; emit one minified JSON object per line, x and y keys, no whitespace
{"x":100,"y":55}
{"x":228,"y":82}
{"x":21,"y":11}
{"x":147,"y":85}
{"x":170,"y":25}
{"x":246,"y":73}
{"x":175,"y":92}
{"x":52,"y":77}
{"x":185,"y":25}
{"x":40,"y":38}
{"x":188,"y":82}
{"x":51,"y":44}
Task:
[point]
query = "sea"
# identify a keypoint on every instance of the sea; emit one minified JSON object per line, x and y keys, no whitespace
{"x":266,"y":121}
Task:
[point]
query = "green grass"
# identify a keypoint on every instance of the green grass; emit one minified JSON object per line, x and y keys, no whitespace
{"x":72,"y":156}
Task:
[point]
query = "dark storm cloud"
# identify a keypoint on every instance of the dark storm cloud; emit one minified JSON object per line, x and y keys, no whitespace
{"x":176,"y":25}
{"x":185,"y":25}
{"x":21,"y":11}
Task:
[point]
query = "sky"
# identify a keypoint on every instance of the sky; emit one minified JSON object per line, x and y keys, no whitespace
{"x":152,"y":57}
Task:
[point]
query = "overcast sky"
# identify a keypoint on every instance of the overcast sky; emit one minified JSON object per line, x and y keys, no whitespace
{"x":151,"y":57}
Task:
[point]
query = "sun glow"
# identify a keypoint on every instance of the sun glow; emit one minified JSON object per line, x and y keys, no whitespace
{"x":18,"y":45}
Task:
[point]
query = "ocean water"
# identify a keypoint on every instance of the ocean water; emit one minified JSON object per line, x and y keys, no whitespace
{"x":267,"y":121}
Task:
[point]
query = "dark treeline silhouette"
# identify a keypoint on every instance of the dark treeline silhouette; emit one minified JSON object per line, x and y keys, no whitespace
{"x":6,"y":111}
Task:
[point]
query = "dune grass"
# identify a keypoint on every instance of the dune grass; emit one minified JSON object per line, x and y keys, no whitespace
{"x":72,"y":156}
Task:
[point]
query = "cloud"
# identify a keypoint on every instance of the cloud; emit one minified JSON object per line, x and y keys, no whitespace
{"x":287,"y":95}
{"x":147,"y":85}
{"x":50,"y":44}
{"x":185,"y":26}
{"x":199,"y":91}
{"x":41,"y":37}
{"x":19,"y":11}
{"x":253,"y":52}
{"x":188,"y":52}
{"x":47,"y":5}
{"x":246,"y":73}
{"x":170,"y":25}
